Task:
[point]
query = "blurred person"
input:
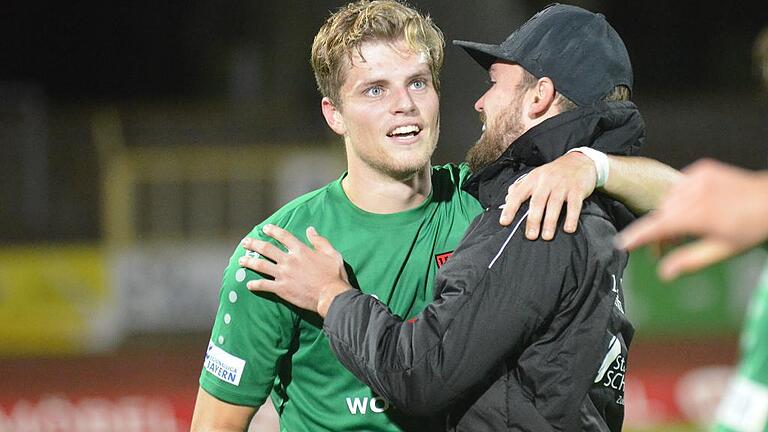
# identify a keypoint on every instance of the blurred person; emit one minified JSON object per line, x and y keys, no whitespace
{"x":523,"y":335}
{"x":725,"y":209}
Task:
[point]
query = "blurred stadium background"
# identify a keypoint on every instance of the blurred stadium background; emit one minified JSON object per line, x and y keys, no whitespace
{"x":140,"y":140}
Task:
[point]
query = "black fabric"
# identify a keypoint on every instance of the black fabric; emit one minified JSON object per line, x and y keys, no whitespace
{"x":519,"y":329}
{"x":612,"y":127}
{"x":576,"y":48}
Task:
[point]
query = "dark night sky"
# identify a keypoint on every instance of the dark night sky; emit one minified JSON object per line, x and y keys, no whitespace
{"x":683,"y":44}
{"x":155,"y":49}
{"x":236,"y":72}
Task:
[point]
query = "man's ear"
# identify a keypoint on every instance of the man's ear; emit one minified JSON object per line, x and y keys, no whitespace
{"x":333,"y":116}
{"x":543,"y":97}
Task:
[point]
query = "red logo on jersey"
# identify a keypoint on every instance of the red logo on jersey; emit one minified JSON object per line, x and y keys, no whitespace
{"x":442,"y":258}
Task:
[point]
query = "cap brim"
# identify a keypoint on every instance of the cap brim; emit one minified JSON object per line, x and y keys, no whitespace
{"x":484,"y":54}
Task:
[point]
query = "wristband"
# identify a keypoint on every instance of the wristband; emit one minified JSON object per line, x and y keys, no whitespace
{"x":600,"y":160}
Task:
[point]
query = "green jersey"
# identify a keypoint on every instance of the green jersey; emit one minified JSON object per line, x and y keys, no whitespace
{"x":745,"y":405}
{"x":261,"y":345}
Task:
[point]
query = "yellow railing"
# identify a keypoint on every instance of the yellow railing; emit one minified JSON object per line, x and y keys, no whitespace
{"x":69,"y":299}
{"x":162,"y":189}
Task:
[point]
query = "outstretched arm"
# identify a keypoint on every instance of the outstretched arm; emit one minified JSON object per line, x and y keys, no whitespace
{"x":639,"y":182}
{"x":636,"y":181}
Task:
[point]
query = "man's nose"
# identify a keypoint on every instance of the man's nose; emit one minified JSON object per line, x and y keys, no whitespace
{"x":403,"y":102}
{"x":479,"y":104}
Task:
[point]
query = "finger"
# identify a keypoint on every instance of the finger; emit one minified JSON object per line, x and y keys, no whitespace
{"x":660,"y":248}
{"x":319,"y":242}
{"x":286,"y":238}
{"x":554,"y":206}
{"x":263,"y":285}
{"x":535,"y":212}
{"x":516,"y":195}
{"x":572,"y":214}
{"x":656,"y":249}
{"x":265,"y":249}
{"x":247,"y":243}
{"x":650,"y":228}
{"x":702,"y":166}
{"x":695,"y":256}
{"x":259,"y":265}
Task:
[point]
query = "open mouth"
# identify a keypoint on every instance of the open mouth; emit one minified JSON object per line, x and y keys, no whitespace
{"x":404,"y":131}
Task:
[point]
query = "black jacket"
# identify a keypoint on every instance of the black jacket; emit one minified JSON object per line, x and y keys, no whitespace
{"x":523,"y":335}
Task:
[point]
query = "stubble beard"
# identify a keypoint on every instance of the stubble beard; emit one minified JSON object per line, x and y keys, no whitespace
{"x":498,"y":135}
{"x":402,"y":168}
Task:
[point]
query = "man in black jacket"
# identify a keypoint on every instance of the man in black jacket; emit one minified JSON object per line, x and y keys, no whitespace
{"x":524,"y":335}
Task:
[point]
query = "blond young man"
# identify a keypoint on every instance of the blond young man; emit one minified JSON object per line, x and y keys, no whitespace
{"x":395,"y":218}
{"x":377,"y":65}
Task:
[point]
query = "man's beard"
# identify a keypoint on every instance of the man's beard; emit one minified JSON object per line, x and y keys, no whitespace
{"x":497,"y":136}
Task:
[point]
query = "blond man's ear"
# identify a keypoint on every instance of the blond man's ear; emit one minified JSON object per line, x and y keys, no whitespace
{"x":333,"y":116}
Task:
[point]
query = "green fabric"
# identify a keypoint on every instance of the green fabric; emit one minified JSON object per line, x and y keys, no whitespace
{"x":285,"y":350}
{"x":754,"y":341}
{"x":745,"y":406}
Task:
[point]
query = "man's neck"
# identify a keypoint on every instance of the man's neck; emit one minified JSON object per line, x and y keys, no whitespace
{"x":376,"y":192}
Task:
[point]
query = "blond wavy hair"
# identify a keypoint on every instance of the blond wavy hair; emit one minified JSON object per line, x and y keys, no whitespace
{"x":371,"y":20}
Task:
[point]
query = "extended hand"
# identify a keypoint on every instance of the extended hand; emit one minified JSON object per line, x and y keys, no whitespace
{"x":306,"y":277}
{"x":570,"y":178}
{"x":725,"y":207}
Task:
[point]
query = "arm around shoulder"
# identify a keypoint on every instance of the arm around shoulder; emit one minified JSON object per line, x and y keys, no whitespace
{"x":638,"y":182}
{"x":214,"y":415}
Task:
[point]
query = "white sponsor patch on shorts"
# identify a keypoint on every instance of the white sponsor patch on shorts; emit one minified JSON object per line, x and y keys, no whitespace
{"x":744,"y":407}
{"x":223,"y":365}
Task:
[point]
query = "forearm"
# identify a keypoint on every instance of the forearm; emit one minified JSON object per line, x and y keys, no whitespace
{"x":388,"y":354}
{"x":640,"y":183}
{"x":328,"y":294}
{"x":424,"y":364}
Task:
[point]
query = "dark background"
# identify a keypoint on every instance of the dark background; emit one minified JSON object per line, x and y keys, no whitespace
{"x":236,"y":72}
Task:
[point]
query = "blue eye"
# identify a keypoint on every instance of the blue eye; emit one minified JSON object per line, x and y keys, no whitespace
{"x":419,"y":84}
{"x":374,"y":91}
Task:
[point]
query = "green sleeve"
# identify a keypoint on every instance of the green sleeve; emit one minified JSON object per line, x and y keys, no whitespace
{"x":250,"y":335}
{"x":744,"y":407}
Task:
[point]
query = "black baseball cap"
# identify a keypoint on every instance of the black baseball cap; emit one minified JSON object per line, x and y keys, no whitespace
{"x":576,"y":48}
